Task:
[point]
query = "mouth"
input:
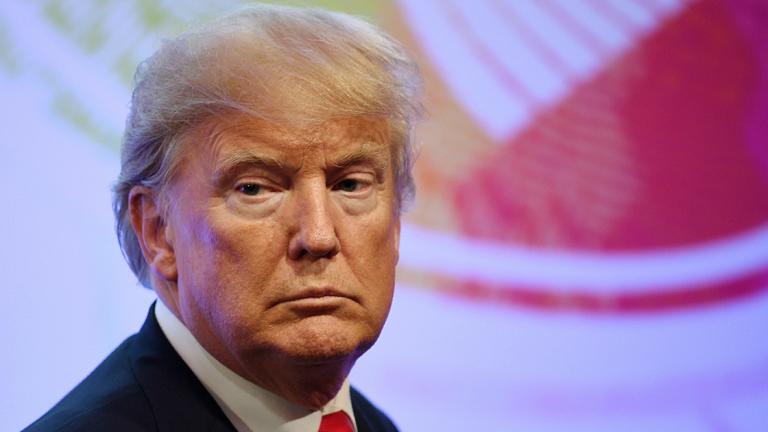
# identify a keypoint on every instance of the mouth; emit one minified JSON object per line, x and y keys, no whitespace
{"x":321,"y":297}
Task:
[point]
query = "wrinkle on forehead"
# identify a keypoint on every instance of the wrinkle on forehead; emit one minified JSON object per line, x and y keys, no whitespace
{"x":348,"y":137}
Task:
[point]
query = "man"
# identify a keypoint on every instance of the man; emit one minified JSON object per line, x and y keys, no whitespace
{"x":265,"y":164}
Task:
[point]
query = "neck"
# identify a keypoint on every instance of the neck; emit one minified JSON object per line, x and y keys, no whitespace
{"x":311,"y":385}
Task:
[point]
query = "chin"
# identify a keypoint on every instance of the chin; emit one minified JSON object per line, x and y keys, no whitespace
{"x":319,"y":341}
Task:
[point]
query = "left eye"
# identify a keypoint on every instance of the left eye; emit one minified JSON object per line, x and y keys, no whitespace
{"x":348,"y":185}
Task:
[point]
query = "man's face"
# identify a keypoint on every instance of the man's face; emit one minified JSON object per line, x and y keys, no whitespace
{"x":285,"y":241}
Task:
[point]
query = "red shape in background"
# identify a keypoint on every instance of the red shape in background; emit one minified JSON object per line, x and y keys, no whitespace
{"x":672,"y":298}
{"x":652,"y":153}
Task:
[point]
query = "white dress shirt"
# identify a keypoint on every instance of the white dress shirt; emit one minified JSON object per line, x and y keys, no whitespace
{"x":249,"y":407}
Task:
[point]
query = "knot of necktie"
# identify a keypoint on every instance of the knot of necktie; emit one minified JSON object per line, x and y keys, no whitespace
{"x":337,"y":421}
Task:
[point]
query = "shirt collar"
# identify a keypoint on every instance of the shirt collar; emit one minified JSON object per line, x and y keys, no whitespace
{"x":248,"y":406}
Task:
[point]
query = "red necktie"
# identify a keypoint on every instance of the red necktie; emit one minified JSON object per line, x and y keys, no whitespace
{"x":338,"y":421}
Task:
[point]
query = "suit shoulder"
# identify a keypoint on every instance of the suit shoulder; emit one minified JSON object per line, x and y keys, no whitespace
{"x":89,"y":420}
{"x":109,"y":398}
{"x":368,"y":416}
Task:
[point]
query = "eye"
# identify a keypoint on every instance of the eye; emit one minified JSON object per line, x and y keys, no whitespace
{"x":348,"y":185}
{"x":251,"y":189}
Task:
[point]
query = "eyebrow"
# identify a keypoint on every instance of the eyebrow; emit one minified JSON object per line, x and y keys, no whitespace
{"x":231,"y":164}
{"x":378,"y":158}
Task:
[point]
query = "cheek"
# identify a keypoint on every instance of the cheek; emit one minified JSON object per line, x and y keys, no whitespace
{"x":226,"y":261}
{"x":374,"y":240}
{"x":373,"y":259}
{"x":199,"y":252}
{"x":227,"y":275}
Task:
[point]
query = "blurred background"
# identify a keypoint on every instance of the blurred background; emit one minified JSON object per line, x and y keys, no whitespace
{"x":588,"y":250}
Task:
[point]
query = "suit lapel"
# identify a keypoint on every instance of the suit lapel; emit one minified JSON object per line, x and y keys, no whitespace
{"x":362,"y":413}
{"x":362,"y":421}
{"x":178,"y":399}
{"x":368,"y":417}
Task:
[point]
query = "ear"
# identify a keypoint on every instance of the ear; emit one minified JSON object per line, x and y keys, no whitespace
{"x":153,"y":233}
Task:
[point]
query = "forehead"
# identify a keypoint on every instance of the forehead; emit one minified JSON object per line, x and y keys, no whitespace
{"x":222,"y":137}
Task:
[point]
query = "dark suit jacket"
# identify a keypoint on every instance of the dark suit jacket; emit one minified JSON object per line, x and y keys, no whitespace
{"x":145,"y":386}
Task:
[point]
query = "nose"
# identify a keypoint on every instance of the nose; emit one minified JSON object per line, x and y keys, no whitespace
{"x":314,"y":233}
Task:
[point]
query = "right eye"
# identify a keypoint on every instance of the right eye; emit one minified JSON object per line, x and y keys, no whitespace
{"x":251,"y":189}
